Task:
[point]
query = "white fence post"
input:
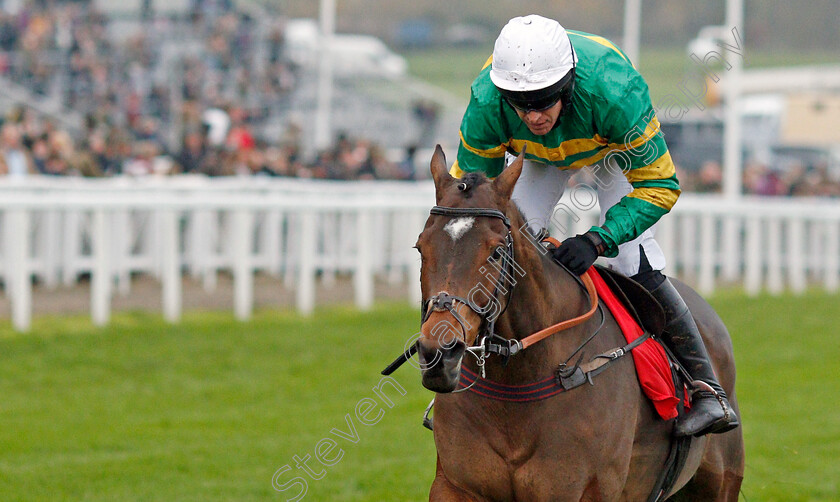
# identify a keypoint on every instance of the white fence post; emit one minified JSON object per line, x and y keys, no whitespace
{"x":18,"y":267}
{"x":291,"y":249}
{"x":795,"y":255}
{"x":170,"y":265}
{"x":307,"y":246}
{"x":243,"y":269}
{"x":416,"y":221}
{"x":100,"y":284}
{"x":775,"y":283}
{"x":832,"y":255}
{"x":814,"y":266}
{"x":731,"y":267}
{"x":272,"y":241}
{"x":70,"y":249}
{"x":363,"y":275}
{"x":753,"y":256}
{"x":706,"y":282}
{"x":665,"y":237}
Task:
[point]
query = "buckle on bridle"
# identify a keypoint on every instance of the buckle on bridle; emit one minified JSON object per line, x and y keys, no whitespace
{"x":503,"y":347}
{"x":441,"y":301}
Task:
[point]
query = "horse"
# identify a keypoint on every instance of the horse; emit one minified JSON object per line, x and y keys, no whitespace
{"x":481,"y":273}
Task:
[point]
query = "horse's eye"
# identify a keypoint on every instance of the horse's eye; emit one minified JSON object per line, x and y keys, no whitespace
{"x":497,"y":254}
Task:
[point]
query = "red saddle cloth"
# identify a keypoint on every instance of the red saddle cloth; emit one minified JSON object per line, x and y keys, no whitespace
{"x":651,"y":362}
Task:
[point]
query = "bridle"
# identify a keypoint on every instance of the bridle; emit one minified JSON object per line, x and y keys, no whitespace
{"x":488,"y":341}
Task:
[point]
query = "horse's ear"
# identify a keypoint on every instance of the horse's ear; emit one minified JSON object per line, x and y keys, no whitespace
{"x":504,"y":182}
{"x":440,"y":173}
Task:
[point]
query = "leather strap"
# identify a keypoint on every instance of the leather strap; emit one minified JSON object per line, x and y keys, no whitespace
{"x":471,"y":211}
{"x":569,"y":323}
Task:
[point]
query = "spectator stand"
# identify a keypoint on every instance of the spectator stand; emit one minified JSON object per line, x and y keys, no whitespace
{"x":136,"y":88}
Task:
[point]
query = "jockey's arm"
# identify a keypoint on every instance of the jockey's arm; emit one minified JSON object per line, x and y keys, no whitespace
{"x":484,"y":150}
{"x":637,"y":148}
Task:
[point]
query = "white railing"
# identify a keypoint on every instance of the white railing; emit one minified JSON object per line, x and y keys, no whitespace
{"x":57,"y":230}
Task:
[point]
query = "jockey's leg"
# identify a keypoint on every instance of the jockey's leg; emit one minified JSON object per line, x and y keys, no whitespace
{"x":537,"y":192}
{"x":710,"y":410}
{"x":642,"y":259}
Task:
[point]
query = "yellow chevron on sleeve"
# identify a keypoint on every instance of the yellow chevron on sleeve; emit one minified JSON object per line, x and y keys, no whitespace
{"x":490,"y":153}
{"x":579,"y":164}
{"x":662,"y":197}
{"x":660,"y":169}
{"x":488,"y":62}
{"x":559,"y":153}
{"x":455,"y":171}
{"x":650,"y":131}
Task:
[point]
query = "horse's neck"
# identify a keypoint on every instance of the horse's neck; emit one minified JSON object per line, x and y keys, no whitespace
{"x":545,"y":295}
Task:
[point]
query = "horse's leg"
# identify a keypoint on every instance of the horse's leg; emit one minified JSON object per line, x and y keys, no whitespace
{"x":444,"y":491}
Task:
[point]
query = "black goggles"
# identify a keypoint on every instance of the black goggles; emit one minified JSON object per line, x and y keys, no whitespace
{"x":540,"y":99}
{"x":537,"y":106}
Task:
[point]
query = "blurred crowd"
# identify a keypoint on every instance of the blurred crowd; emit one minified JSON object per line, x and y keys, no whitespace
{"x":188,"y":94}
{"x":759,"y":178}
{"x":180,"y":95}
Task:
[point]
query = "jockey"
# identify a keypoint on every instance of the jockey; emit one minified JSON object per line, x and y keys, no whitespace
{"x":574,"y":100}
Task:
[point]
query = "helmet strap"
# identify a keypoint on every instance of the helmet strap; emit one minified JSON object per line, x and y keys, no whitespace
{"x":566,"y":96}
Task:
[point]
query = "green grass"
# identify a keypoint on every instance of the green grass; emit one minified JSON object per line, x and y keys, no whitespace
{"x":207,"y":410}
{"x":788,"y":359}
{"x":211,"y":408}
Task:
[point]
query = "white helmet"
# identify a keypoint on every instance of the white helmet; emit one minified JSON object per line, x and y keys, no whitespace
{"x":533,"y":53}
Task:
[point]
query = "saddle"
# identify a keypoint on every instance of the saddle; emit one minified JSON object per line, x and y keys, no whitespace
{"x":638,"y":301}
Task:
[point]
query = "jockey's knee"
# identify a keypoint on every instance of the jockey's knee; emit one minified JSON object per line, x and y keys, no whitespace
{"x":647,"y":276}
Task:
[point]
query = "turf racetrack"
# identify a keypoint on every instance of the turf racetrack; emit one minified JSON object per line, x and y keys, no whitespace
{"x":213,"y":409}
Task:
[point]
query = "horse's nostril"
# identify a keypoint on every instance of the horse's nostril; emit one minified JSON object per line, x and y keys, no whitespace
{"x":456,"y":350}
{"x":429,"y":356}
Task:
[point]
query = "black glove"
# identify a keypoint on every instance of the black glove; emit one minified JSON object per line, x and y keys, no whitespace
{"x":580,"y":252}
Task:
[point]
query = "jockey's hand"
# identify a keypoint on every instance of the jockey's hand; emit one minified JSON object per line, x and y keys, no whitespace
{"x":578,"y":253}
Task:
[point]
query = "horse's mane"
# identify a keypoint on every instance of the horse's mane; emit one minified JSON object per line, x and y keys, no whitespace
{"x":519,"y":226}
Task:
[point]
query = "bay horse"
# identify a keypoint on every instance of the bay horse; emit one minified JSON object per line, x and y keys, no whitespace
{"x":600,"y":442}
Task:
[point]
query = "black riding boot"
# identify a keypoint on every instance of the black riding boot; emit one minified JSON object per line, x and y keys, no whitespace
{"x":710,"y":410}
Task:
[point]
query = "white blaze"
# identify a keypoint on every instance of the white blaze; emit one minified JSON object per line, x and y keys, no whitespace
{"x":457,"y":228}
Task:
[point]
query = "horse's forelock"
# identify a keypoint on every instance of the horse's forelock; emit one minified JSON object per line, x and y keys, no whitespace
{"x":469,"y":182}
{"x":478,"y":188}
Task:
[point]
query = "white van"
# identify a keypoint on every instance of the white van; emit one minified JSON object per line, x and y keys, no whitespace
{"x":351,"y":55}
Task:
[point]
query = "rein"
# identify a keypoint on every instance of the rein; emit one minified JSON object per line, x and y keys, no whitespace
{"x":560,"y":326}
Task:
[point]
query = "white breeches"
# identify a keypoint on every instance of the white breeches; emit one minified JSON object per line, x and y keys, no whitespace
{"x":540,"y":187}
